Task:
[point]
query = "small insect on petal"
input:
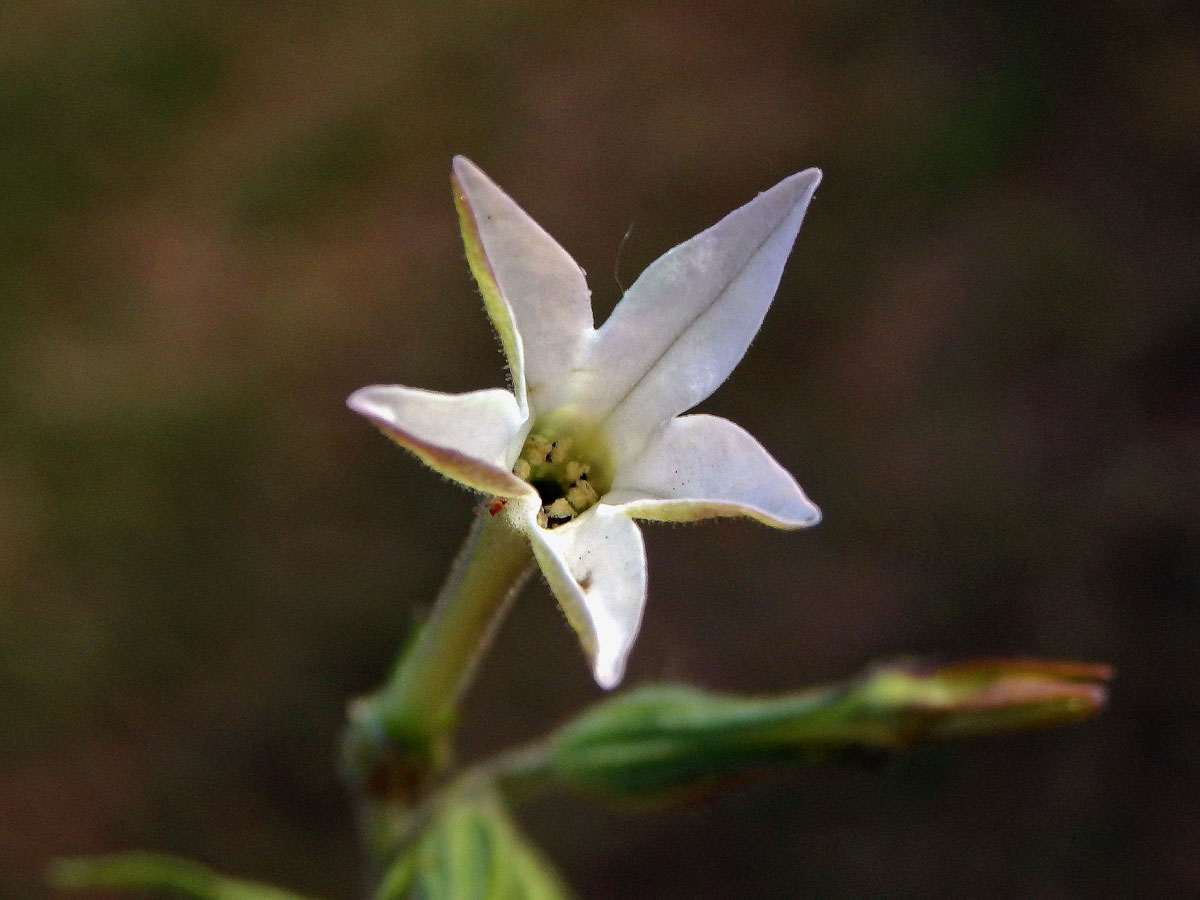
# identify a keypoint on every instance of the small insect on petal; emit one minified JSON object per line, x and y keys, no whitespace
{"x":496,"y":504}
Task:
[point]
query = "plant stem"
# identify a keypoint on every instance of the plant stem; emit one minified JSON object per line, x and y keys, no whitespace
{"x":513,"y":772}
{"x":398,"y":737}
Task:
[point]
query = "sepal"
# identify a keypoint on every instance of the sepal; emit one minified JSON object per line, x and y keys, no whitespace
{"x":471,"y":848}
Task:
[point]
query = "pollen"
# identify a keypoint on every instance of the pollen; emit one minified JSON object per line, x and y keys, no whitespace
{"x":581,"y":495}
{"x":561,"y":478}
{"x":559,"y":450}
{"x":537,"y":450}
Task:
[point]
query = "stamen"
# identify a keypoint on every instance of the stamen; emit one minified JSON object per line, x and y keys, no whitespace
{"x":537,"y":449}
{"x":581,"y":495}
{"x":561,"y":481}
{"x":558,"y":513}
{"x":559,"y":509}
{"x":558,"y":451}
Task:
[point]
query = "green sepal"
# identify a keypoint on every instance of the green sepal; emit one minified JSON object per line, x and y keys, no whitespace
{"x":665,"y":739}
{"x":471,"y":850}
{"x":158,"y":873}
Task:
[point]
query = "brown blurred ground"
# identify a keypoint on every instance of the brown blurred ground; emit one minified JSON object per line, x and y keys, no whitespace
{"x":217,"y":219}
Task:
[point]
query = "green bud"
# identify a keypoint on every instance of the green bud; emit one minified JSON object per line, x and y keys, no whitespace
{"x":665,"y":739}
{"x":980,"y":697}
{"x":471,"y":848}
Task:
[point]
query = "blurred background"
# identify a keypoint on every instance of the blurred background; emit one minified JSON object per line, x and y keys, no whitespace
{"x":217,"y":219}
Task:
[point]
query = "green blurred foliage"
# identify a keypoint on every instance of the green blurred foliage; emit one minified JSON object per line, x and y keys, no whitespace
{"x":157,"y":875}
{"x":469,"y":849}
{"x":217,"y":219}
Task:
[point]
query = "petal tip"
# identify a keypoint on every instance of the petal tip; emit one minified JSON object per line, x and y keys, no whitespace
{"x":371,"y":403}
{"x":803,"y":184}
{"x":361,"y":401}
{"x":462,"y":169}
{"x":806,"y":517}
{"x":608,"y":672}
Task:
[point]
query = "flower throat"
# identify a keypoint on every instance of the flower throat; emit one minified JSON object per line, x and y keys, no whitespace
{"x":560,"y":478}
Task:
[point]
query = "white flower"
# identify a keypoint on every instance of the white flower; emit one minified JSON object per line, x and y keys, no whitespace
{"x":591,"y":435}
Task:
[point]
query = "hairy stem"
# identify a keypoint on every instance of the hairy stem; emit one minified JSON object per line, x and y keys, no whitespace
{"x":399,"y":737}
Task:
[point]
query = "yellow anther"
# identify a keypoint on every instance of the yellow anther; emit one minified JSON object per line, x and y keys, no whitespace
{"x":558,"y":453}
{"x":561,"y":479}
{"x":560,"y":509}
{"x":581,"y":495}
{"x":537,"y":449}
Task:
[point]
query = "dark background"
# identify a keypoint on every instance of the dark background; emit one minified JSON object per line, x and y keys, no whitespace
{"x":217,"y":219}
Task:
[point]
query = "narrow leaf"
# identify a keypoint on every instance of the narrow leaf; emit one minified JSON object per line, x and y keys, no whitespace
{"x":158,"y":872}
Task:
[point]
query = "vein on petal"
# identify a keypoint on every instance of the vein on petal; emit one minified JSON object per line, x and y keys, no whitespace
{"x":690,"y":323}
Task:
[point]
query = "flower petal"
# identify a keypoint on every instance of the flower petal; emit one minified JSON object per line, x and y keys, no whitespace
{"x":535,"y":293}
{"x":696,"y":467}
{"x":596,"y":567}
{"x":471,"y":438}
{"x":688,"y":319}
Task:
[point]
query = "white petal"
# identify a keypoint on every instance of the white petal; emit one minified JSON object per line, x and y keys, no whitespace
{"x":596,"y":567}
{"x":535,"y":293}
{"x":472,"y":438}
{"x":688,"y":319}
{"x":695,"y":467}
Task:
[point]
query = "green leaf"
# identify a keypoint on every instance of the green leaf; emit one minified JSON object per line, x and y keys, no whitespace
{"x":471,"y":850}
{"x":159,"y":873}
{"x":664,"y":739}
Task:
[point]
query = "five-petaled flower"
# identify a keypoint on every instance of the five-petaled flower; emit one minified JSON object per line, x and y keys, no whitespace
{"x":591,"y":437}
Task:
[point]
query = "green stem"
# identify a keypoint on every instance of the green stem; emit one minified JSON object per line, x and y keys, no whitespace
{"x":422,"y":693}
{"x":399,"y":737}
{"x":514,"y":772}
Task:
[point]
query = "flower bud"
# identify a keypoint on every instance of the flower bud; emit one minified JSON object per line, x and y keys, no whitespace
{"x":664,"y":739}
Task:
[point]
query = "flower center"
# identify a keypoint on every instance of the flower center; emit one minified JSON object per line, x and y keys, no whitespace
{"x":564,"y":478}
